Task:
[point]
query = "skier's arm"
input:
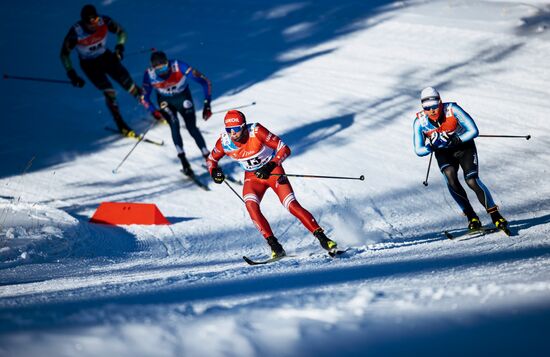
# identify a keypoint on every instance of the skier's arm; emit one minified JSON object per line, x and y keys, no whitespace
{"x":115,"y":28}
{"x":69,"y":43}
{"x":419,"y":142}
{"x":466,"y":122}
{"x":147,"y":90}
{"x":215,"y":155}
{"x":204,"y":82}
{"x":274,"y":142}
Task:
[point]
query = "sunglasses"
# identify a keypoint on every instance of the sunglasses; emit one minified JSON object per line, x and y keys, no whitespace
{"x":235,"y":129}
{"x":433,"y":107}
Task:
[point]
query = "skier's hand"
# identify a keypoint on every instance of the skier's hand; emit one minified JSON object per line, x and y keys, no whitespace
{"x":265,"y":171}
{"x":454,"y":140}
{"x":217,"y":175}
{"x":119,"y":51}
{"x":429,"y":147}
{"x":76,"y":80}
{"x":206,"y":110}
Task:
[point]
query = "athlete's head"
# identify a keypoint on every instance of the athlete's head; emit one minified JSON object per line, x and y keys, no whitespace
{"x":159,"y":62}
{"x":89,"y":16}
{"x":431,"y":103}
{"x":235,"y":124}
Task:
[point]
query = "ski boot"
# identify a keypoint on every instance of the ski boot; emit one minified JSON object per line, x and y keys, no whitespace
{"x":277,"y":250}
{"x":474,"y":224}
{"x":187,"y":171}
{"x":500,"y":222}
{"x":129,"y":133}
{"x":326,"y":243}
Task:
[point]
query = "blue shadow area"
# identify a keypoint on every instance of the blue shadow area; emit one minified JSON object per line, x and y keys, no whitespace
{"x":54,"y":123}
{"x":175,"y":220}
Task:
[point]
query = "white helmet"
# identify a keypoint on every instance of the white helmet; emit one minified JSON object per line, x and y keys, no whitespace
{"x":429,"y":96}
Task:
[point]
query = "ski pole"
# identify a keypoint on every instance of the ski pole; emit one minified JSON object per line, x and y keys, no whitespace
{"x":361,"y":178}
{"x":235,"y":192}
{"x":425,"y":182}
{"x":526,"y":137}
{"x":141,"y":137}
{"x":37,"y":79}
{"x":238,"y":107}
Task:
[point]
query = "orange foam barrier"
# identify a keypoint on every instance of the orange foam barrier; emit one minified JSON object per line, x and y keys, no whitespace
{"x":116,"y":213}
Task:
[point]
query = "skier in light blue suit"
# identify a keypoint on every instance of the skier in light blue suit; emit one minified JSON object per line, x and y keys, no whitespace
{"x":448,"y":131}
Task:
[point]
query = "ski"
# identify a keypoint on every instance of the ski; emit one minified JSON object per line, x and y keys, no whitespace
{"x":333,"y":253}
{"x":470,"y":234}
{"x":196,"y":181}
{"x":147,"y":140}
{"x":261,"y":262}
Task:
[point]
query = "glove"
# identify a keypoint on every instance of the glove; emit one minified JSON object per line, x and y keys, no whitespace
{"x":454,"y":140}
{"x":217,"y":175}
{"x":76,"y":81}
{"x":429,"y":147}
{"x":265,"y":171}
{"x":158,"y":115}
{"x":119,"y":51}
{"x":206,"y":110}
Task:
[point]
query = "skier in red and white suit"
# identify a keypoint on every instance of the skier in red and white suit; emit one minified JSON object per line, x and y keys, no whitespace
{"x":261,"y":153}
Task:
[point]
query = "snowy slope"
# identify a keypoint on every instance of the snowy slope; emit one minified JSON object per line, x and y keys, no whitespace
{"x":340,"y":84}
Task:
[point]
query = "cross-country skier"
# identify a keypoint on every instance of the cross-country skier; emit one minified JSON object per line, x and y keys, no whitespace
{"x":89,"y":37}
{"x":448,"y":131}
{"x":261,"y":153}
{"x":170,"y":79}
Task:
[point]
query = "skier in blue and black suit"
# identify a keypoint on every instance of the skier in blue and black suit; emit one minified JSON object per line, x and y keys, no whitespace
{"x":448,"y":131}
{"x":170,"y":79}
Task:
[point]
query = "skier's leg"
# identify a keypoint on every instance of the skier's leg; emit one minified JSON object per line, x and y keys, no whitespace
{"x":110,"y":101}
{"x":119,"y":73}
{"x":171,"y":115}
{"x":96,"y":72}
{"x":253,"y":192}
{"x":458,"y":193}
{"x":448,"y":165}
{"x":284,"y":191}
{"x":470,"y":166}
{"x":187,"y":111}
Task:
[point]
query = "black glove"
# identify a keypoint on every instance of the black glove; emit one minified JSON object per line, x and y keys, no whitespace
{"x":119,"y":51}
{"x":206,"y":110}
{"x":265,"y":171}
{"x":454,"y":140}
{"x":217,"y":175}
{"x":76,"y":81}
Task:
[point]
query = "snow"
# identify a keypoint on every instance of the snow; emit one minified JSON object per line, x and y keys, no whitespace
{"x":339,"y":82}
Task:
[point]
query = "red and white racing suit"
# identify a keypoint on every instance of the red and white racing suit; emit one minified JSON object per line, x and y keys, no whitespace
{"x":256,"y":150}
